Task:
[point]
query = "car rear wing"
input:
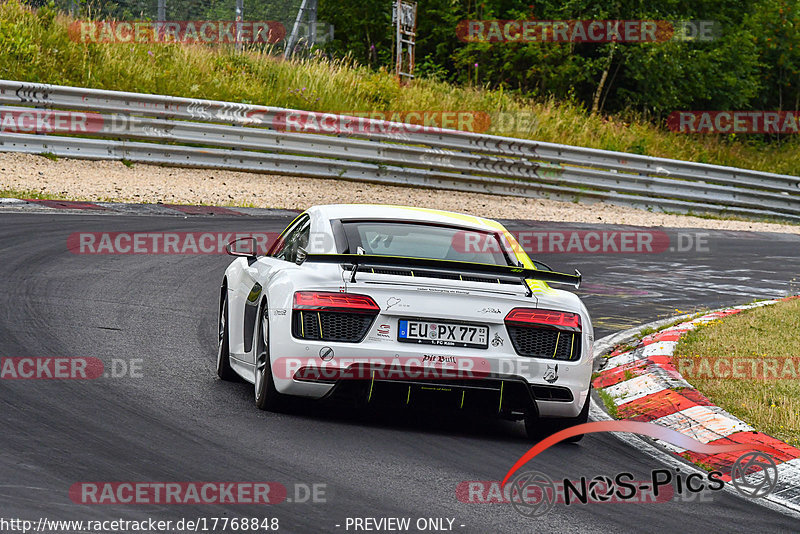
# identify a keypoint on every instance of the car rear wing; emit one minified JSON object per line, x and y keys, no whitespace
{"x":357,"y":261}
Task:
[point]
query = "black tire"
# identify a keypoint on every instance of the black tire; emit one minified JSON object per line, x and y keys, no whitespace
{"x":539,"y":428}
{"x":267,"y":397}
{"x":224,"y":370}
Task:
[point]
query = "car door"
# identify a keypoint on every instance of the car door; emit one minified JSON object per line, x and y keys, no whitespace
{"x":257,"y":275}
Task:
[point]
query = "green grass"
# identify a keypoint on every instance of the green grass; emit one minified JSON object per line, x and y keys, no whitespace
{"x":35,"y":195}
{"x":621,"y":348}
{"x":628,"y":374}
{"x":38,"y":195}
{"x":35,"y":46}
{"x":699,"y":463}
{"x":771,"y":332}
{"x":644,"y":332}
{"x":608,"y":402}
{"x":721,"y":217}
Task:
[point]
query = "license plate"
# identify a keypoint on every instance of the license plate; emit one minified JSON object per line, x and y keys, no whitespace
{"x":443,"y":333}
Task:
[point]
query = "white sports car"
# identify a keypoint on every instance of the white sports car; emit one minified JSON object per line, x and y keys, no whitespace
{"x":406,"y":306}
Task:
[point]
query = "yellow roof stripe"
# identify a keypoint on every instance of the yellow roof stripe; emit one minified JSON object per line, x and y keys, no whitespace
{"x":489,"y":224}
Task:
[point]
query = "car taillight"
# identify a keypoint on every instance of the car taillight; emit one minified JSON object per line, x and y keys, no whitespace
{"x":328,"y":301}
{"x":553,"y":319}
{"x":328,"y":316}
{"x":548,"y":334}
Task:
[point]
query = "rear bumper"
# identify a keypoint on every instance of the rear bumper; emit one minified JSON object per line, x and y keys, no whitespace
{"x":505,"y":397}
{"x":479,"y":377}
{"x":490,"y":386}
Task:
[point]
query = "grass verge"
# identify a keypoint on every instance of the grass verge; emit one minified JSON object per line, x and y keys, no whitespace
{"x":35,"y":195}
{"x":760,"y":338}
{"x":608,"y":402}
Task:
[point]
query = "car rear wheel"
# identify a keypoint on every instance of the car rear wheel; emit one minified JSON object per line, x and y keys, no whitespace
{"x":224,"y":370}
{"x":267,"y":397}
{"x":539,"y":428}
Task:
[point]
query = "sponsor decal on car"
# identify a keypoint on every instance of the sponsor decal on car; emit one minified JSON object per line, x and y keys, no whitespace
{"x":497,"y":341}
{"x":391,"y":302}
{"x":551,"y":374}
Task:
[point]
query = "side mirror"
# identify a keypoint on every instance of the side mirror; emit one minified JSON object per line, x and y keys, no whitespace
{"x":245,"y":247}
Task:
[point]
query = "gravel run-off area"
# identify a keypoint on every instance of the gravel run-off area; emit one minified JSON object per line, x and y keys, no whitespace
{"x":112,"y":181}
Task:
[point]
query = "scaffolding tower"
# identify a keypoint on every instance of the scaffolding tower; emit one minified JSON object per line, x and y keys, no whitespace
{"x":404,"y":19}
{"x":308,"y":9}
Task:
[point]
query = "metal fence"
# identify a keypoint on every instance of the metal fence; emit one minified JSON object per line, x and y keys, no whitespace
{"x":211,"y":134}
{"x":281,"y":10}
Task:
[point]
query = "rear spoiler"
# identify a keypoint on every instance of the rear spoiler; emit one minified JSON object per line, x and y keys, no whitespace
{"x":457,"y":267}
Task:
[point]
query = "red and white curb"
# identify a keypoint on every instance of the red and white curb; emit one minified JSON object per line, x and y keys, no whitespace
{"x":644,"y":384}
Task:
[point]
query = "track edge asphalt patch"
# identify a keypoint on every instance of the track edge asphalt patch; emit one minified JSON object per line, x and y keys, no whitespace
{"x":123,"y":208}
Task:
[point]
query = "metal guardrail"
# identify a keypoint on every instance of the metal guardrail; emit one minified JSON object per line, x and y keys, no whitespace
{"x":203,"y":133}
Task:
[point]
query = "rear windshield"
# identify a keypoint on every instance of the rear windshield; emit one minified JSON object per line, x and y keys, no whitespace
{"x":419,"y":240}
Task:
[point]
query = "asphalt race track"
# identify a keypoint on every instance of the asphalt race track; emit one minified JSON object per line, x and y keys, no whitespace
{"x":178,"y":422}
